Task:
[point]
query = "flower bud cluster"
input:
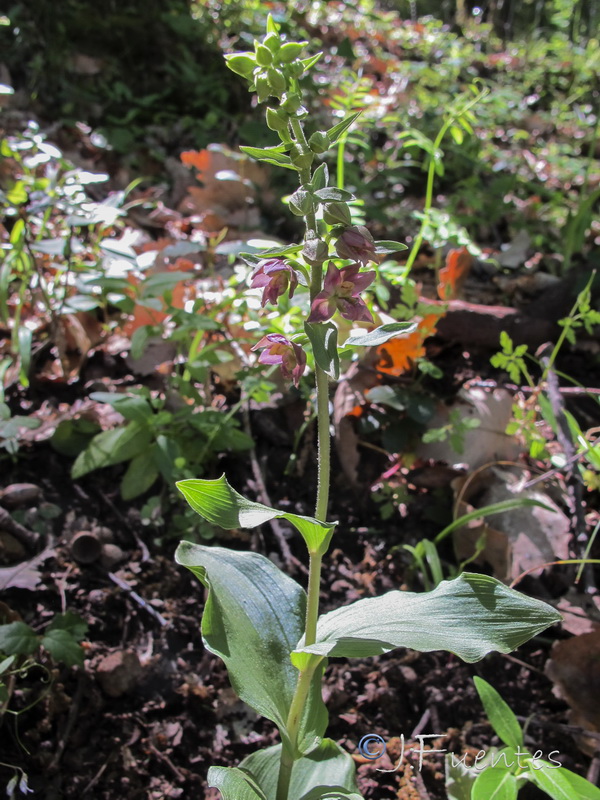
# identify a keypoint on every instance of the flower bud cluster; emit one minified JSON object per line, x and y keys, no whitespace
{"x":273,"y":70}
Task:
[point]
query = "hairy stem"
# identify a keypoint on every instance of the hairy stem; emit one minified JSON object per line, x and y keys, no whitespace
{"x":289,"y":747}
{"x":288,"y":750}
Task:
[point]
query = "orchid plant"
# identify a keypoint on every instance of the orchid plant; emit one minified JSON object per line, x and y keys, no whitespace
{"x":261,"y":622}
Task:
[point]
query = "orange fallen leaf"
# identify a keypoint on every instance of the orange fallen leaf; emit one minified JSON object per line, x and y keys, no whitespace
{"x":200,"y":159}
{"x":398,"y":355}
{"x":452,"y":276}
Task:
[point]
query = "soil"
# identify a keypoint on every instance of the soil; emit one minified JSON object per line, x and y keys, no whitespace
{"x":152,"y":709}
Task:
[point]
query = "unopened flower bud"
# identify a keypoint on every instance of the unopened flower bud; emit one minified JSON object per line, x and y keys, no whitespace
{"x":277,"y":81}
{"x":337,"y":213}
{"x":263,"y":88}
{"x":290,"y":51}
{"x":272,"y":41}
{"x":319,"y":142}
{"x":290,"y":103}
{"x":295,"y":69}
{"x":241,"y":63}
{"x":301,"y":156}
{"x":301,"y":203}
{"x":264,"y":57}
{"x":277,"y":120}
{"x":315,"y":251}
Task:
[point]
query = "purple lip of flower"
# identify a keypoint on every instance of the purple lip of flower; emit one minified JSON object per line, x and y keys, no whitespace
{"x":279,"y":350}
{"x":341,"y":290}
{"x":357,"y":243}
{"x":275,"y":276}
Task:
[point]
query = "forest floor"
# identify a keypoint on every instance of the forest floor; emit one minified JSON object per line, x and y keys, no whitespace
{"x":151,"y":709}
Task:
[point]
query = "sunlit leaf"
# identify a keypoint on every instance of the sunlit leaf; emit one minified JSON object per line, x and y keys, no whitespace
{"x":252,"y":619}
{"x":384,"y":333}
{"x":469,"y":616}
{"x":219,"y":503}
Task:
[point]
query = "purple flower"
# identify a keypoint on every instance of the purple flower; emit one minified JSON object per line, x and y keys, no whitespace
{"x":279,"y":350}
{"x":275,"y":276}
{"x":341,"y":290}
{"x":356,"y":243}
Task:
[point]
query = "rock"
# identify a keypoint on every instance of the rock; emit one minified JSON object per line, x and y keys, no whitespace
{"x":119,"y":672}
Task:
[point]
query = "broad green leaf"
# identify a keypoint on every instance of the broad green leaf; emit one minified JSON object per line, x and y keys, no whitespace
{"x":459,"y":778}
{"x":271,"y":252}
{"x":160,"y":282}
{"x":338,"y":130}
{"x":332,"y":194}
{"x":71,"y":622}
{"x":499,"y":713}
{"x":328,"y":766}
{"x":18,"y":639}
{"x":132,"y":407}
{"x":323,"y":337}
{"x":495,"y":783}
{"x":331,"y":793}
{"x":384,"y":333}
{"x":386,"y":247}
{"x":141,"y":473}
{"x":219,"y":503}
{"x":6,"y":663}
{"x":469,"y":616}
{"x":253,"y":617}
{"x":271,"y":155}
{"x":235,"y":784}
{"x":62,"y":646}
{"x":111,"y":447}
{"x":560,"y":783}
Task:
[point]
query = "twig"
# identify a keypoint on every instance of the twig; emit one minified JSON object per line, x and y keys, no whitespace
{"x":99,"y":774}
{"x":574,"y":481}
{"x":139,"y":600}
{"x":574,"y":730}
{"x":522,"y":663}
{"x":556,"y":471}
{"x":73,"y":711}
{"x":26,"y":537}
{"x":166,"y":760}
{"x":594,"y":771}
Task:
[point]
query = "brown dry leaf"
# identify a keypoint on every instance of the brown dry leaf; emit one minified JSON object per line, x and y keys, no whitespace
{"x":228,"y":188}
{"x":581,"y":612}
{"x":516,"y":540}
{"x":574,"y":668}
{"x":483,"y":444}
{"x":25,"y":575}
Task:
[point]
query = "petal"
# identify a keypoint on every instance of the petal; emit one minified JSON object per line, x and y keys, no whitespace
{"x":333,"y":279}
{"x":266,"y":357}
{"x":322,"y":308}
{"x":354,"y":309}
{"x":362,"y":280}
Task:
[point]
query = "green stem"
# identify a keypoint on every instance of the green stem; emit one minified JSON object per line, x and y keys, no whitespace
{"x":324,"y":444}
{"x":453,"y":116}
{"x":293,"y":727}
{"x":312,"y":606}
{"x":290,"y":743}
